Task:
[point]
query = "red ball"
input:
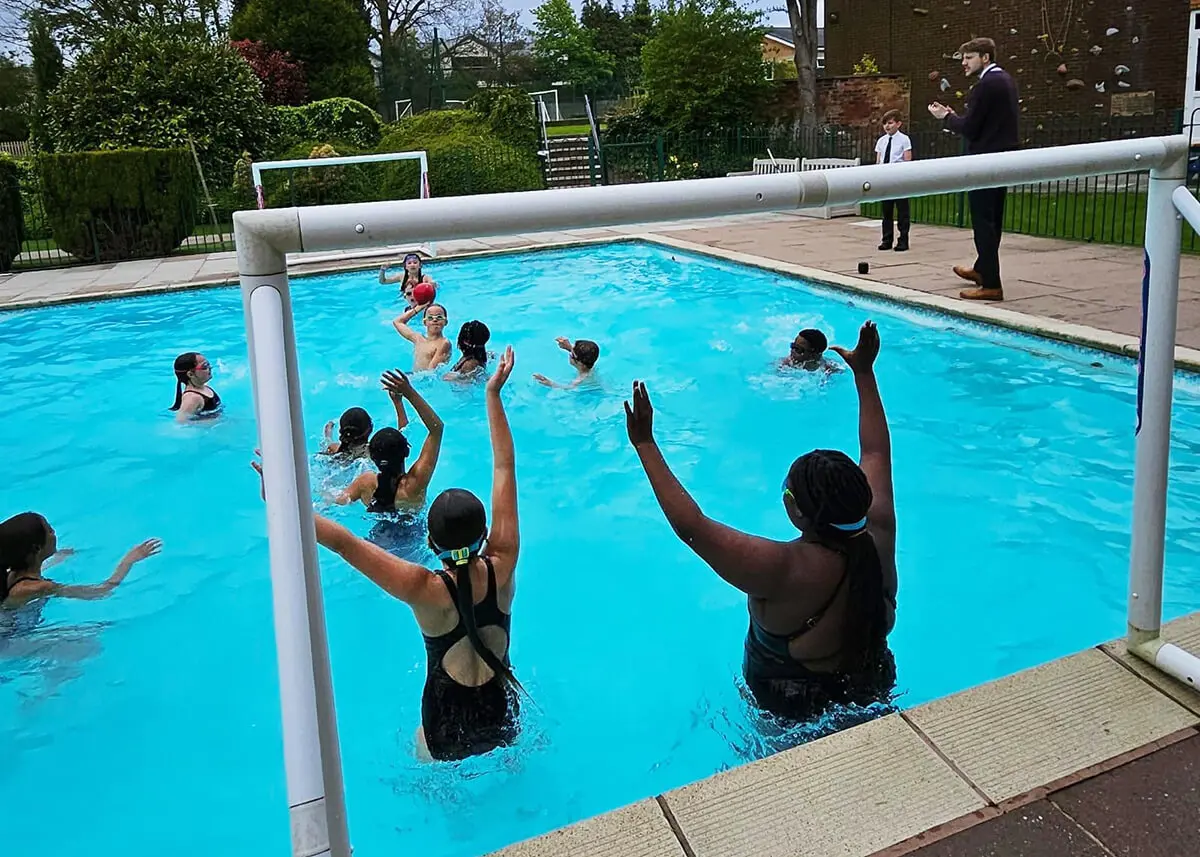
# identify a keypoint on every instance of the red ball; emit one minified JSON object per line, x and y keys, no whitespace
{"x":423,"y":293}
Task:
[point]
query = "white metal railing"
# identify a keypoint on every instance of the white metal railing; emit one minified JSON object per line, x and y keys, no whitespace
{"x":264,"y":238}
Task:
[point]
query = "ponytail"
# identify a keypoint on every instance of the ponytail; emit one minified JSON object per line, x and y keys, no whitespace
{"x":465,"y":605}
{"x":390,"y":475}
{"x":184,"y":363}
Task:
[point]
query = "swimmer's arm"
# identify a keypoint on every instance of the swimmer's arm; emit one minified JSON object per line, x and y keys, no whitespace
{"x":388,"y":279}
{"x":399,"y":578}
{"x":755,"y":565}
{"x":96,"y":591}
{"x":875,"y":449}
{"x":401,"y":414}
{"x":188,"y":406}
{"x":401,"y":324}
{"x":504,"y":537}
{"x":353,"y":491}
{"x":432,"y":447}
{"x":59,"y":556}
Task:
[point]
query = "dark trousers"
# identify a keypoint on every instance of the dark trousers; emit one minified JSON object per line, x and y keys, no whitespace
{"x":900,"y":207}
{"x":987,"y":220}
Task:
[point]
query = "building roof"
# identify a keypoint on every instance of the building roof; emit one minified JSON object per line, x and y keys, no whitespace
{"x":784,"y":34}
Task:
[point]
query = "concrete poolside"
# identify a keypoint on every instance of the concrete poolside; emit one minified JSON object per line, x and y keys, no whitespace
{"x":1094,"y":754}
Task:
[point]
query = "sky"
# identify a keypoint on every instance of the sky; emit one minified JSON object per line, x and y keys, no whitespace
{"x":774,"y":19}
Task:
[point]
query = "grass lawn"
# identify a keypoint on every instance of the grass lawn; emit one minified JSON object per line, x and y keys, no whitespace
{"x":570,"y":130}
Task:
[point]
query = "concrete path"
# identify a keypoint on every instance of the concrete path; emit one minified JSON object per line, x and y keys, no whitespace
{"x":1091,"y":284}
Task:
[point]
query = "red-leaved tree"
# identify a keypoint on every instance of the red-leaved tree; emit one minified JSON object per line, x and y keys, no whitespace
{"x":282,"y":77}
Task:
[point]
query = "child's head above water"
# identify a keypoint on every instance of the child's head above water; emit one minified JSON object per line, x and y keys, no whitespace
{"x":473,"y":337}
{"x":354,"y":428}
{"x":435,"y":319}
{"x":584,"y":354}
{"x":809,"y":344}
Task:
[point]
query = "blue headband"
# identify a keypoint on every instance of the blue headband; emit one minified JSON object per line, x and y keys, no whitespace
{"x":459,"y":556}
{"x":849,"y":528}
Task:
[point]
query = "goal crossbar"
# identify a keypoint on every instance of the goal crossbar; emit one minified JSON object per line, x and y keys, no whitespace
{"x":264,"y":238}
{"x":257,"y":169}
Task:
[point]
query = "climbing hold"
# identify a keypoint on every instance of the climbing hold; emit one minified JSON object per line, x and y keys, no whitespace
{"x":957,"y":55}
{"x":1075,"y":84}
{"x":1095,"y":50}
{"x":934,"y":75}
{"x":1122,"y":69}
{"x":1111,"y":31}
{"x":1062,"y":69}
{"x":1032,"y":51}
{"x":1040,"y":127}
{"x":1100,"y":86}
{"x":1012,"y":31}
{"x":1123,"y":83}
{"x":945,"y":84}
{"x":945,"y":26}
{"x":1136,"y":40}
{"x":919,"y":11}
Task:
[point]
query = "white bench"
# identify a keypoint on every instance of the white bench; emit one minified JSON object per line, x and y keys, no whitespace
{"x":768,"y":167}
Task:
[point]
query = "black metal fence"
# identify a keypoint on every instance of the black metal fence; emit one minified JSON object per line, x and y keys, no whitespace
{"x":1107,"y":209}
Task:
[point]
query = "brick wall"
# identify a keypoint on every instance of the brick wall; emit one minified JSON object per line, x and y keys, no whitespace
{"x":1147,"y":53}
{"x":847,"y":101}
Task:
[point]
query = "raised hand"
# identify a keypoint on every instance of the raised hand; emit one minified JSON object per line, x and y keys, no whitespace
{"x":862,"y":358}
{"x":396,"y":383}
{"x":542,"y":379}
{"x":563,"y":343}
{"x":504,"y":368}
{"x":143,"y":551}
{"x":639,"y":420}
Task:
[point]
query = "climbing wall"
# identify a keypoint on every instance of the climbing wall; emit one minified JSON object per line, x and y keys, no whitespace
{"x":1070,"y":57}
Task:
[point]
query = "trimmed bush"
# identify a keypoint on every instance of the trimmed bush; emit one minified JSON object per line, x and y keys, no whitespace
{"x":126,"y":204}
{"x":322,"y":185}
{"x":12,"y":218}
{"x":342,"y":122}
{"x":465,"y":156}
{"x":511,"y":114}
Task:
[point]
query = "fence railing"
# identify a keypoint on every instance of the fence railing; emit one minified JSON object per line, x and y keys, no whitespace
{"x":1105,"y":209}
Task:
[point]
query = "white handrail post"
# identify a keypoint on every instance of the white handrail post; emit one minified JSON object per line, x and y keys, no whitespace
{"x":1156,"y":373}
{"x":312,"y":757}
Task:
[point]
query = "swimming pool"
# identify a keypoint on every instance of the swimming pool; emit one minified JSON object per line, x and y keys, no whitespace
{"x":156,"y":712}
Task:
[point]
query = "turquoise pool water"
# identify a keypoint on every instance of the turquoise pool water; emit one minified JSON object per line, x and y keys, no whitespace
{"x":151,"y":720}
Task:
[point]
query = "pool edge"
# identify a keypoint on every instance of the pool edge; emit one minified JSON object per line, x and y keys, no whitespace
{"x":925,"y":773}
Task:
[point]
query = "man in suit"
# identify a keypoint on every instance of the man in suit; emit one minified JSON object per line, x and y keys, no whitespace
{"x":990,"y":125}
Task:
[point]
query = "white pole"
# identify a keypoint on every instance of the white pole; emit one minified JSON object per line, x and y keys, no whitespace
{"x":311,"y":754}
{"x":1156,"y":372}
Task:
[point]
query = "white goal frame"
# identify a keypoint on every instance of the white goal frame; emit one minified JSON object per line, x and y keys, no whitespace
{"x":257,"y":169}
{"x":406,"y":110}
{"x":264,"y":238}
{"x":539,"y":105}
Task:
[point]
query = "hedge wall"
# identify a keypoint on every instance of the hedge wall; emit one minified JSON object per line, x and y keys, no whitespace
{"x":334,"y":120}
{"x":124,"y":204}
{"x":12,"y":218}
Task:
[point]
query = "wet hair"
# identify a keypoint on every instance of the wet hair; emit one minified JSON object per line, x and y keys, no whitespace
{"x":472,"y":341}
{"x":586,"y":352}
{"x":184,"y":363}
{"x":388,"y":449}
{"x":816,"y":339}
{"x":354,"y":429}
{"x":893,"y":116}
{"x":21,"y":537}
{"x":457,"y":521}
{"x":831,"y":491}
{"x":982,"y":46}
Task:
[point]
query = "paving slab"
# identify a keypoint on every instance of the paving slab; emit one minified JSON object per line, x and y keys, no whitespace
{"x":848,"y":794}
{"x":1183,"y":632}
{"x":637,"y":830}
{"x":1147,"y":808}
{"x":1039,"y":829}
{"x":1040,"y":725}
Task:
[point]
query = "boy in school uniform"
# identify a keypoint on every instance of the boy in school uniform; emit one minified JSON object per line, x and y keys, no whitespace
{"x":893,"y":147}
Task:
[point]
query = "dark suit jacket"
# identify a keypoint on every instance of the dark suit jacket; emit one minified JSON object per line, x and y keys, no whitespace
{"x":990,"y":123}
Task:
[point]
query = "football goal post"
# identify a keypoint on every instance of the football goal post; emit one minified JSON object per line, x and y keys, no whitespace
{"x":257,"y":169}
{"x":546,"y":113}
{"x":264,"y":238}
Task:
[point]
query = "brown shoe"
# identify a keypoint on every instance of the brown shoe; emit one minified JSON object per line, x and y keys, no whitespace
{"x":968,"y":274}
{"x":982,"y":294}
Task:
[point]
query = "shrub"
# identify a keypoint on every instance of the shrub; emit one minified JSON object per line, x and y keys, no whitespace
{"x":465,"y":157}
{"x":342,"y":122}
{"x":282,"y":79}
{"x":115,"y":205}
{"x":156,"y":87}
{"x":12,"y":218}
{"x":510,"y":113}
{"x":630,"y":124}
{"x":36,"y":227}
{"x":322,"y":185}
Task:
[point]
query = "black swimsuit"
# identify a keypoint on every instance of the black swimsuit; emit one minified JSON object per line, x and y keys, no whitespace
{"x":212,"y":404}
{"x":461,"y":721}
{"x":787,"y":688}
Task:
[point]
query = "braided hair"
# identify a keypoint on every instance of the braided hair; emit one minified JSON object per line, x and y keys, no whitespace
{"x":831,"y":491}
{"x":21,"y":537}
{"x":388,"y":449}
{"x":354,"y":431}
{"x":457,"y":525}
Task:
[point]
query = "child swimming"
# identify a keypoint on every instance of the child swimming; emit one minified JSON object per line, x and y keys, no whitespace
{"x":355,"y":426}
{"x":473,"y":337}
{"x":583,"y":354}
{"x":807,"y":351}
{"x":431,"y":349}
{"x":411,"y":276}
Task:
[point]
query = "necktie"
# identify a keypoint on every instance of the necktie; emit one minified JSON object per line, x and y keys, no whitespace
{"x":887,"y":156}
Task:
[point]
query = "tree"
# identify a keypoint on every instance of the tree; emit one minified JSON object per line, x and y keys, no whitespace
{"x":564,"y":49}
{"x":159,"y":87}
{"x":639,"y":24}
{"x":614,"y":37}
{"x":16,"y":87}
{"x":501,"y":30}
{"x":802,"y":15}
{"x":46,"y":62}
{"x":282,"y":79}
{"x":79,"y":24}
{"x":702,"y":69}
{"x":396,"y":28}
{"x":328,"y":37}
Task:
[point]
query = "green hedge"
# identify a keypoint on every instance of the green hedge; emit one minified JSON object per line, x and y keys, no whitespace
{"x":338,"y":121}
{"x":323,"y":185}
{"x":12,"y":219}
{"x":124,"y":204}
{"x":465,"y":156}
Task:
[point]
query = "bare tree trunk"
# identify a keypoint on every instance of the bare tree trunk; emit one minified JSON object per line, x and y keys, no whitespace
{"x":802,"y":15}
